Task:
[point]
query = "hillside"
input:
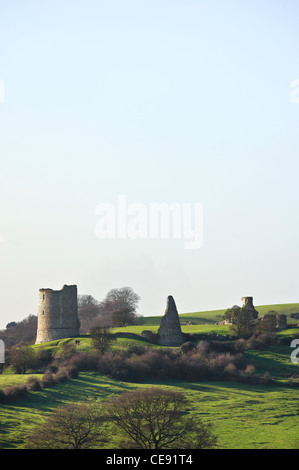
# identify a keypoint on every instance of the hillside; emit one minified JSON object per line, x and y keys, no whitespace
{"x":246,"y":415}
{"x":213,"y":316}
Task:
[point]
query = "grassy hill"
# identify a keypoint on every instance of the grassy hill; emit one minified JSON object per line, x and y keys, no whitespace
{"x":213,"y":316}
{"x":244,"y":415}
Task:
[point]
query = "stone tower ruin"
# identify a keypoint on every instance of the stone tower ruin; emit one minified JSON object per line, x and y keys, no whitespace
{"x":170,"y":333}
{"x":57,"y":314}
{"x":247,"y":303}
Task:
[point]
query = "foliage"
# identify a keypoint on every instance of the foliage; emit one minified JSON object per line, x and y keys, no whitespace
{"x":155,"y":419}
{"x":242,"y":320}
{"x":20,"y":332}
{"x":120,"y":305}
{"x":75,"y":426}
{"x":22,"y":358}
{"x":88,"y":312}
{"x":101,"y":338}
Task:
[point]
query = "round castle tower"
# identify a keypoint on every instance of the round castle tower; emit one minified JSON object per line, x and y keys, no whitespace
{"x":57,"y":314}
{"x":247,"y":302}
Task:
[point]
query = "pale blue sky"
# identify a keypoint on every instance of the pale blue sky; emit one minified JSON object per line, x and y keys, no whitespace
{"x":162,"y":101}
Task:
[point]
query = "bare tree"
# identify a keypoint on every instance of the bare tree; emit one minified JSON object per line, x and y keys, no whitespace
{"x":75,"y":426}
{"x":21,"y":332}
{"x":22,"y":358}
{"x":121,"y":306}
{"x":156,"y":419}
{"x":88,"y":312}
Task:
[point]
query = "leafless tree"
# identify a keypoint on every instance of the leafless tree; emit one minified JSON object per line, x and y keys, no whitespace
{"x":121,"y":306}
{"x":21,"y":332}
{"x":22,"y":358}
{"x":156,"y":419}
{"x":75,"y":426}
{"x":88,"y":312}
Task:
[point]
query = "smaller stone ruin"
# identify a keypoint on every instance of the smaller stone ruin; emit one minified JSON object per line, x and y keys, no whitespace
{"x":247,"y":303}
{"x":170,"y":333}
{"x":272,"y":321}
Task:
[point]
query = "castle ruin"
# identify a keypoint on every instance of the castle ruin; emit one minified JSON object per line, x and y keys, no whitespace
{"x":170,"y":333}
{"x":247,"y":304}
{"x":57,"y":314}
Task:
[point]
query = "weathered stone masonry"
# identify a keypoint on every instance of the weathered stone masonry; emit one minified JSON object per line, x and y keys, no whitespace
{"x":57,"y":314}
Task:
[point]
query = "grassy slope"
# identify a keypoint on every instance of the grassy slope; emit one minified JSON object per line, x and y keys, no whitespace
{"x":245,"y":416}
{"x":210,"y":317}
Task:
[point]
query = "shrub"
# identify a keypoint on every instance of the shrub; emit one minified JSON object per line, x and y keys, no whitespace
{"x":60,"y":376}
{"x":267,"y":380}
{"x":241,"y":345}
{"x":43,"y":358}
{"x":136,"y":349}
{"x":84,"y":361}
{"x":2,"y":396}
{"x":187,"y":347}
{"x":203,"y":347}
{"x":47,"y":379}
{"x":33,"y":384}
{"x":250,"y":369}
{"x":15,"y":393}
{"x":231,"y":371}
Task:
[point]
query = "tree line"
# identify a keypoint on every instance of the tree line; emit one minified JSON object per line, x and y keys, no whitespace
{"x":150,"y":418}
{"x":118,"y":308}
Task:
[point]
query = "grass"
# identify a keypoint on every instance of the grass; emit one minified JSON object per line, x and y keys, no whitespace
{"x":213,"y":316}
{"x":10,"y":378}
{"x":244,"y":416}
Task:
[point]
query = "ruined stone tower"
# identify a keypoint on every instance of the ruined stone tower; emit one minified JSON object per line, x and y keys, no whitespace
{"x":247,"y":303}
{"x":57,"y":314}
{"x":170,"y":333}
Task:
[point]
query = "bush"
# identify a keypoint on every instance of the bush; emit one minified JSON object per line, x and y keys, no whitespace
{"x":33,"y":384}
{"x":47,"y":380}
{"x":136,"y":349}
{"x":267,"y":380}
{"x":187,"y":347}
{"x":166,"y":364}
{"x":241,"y":345}
{"x":2,"y":396}
{"x":84,"y":361}
{"x":15,"y":393}
{"x":203,"y":347}
{"x":261,"y":341}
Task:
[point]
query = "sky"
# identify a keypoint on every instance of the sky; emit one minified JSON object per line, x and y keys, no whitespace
{"x":158,"y":102}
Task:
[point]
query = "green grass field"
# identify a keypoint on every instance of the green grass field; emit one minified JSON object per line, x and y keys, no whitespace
{"x":213,"y":316}
{"x":244,"y":416}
